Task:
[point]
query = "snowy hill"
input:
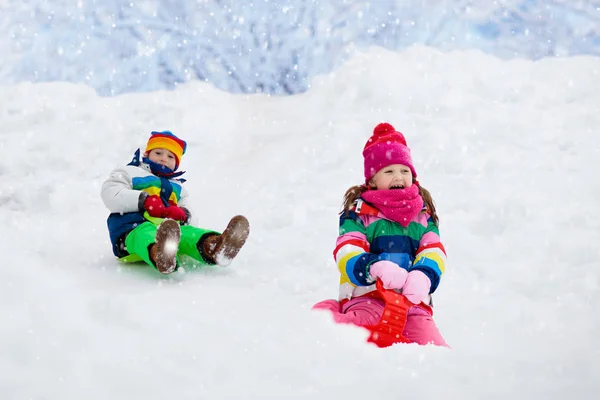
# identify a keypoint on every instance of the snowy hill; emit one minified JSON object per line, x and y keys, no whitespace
{"x":275,"y":47}
{"x":509,"y":150}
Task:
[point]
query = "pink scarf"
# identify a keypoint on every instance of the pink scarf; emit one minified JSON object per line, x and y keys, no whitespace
{"x":398,"y":205}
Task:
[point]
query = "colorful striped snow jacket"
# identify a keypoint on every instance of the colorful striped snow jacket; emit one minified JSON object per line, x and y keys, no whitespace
{"x":124,"y":193}
{"x":366,"y":237}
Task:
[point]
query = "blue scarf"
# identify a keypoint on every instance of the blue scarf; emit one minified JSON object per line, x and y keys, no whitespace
{"x":157,"y":169}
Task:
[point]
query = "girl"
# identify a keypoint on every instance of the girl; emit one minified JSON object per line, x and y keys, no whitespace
{"x":388,"y":231}
{"x":150,"y":217}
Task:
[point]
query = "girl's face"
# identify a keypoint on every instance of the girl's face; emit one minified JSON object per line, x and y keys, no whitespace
{"x":395,"y":176}
{"x":163,"y":157}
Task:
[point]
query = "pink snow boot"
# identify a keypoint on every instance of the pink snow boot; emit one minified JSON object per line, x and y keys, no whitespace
{"x":360,"y":311}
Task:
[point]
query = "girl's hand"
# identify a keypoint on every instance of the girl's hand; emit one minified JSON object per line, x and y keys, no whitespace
{"x":391,"y":274}
{"x":417,"y":287}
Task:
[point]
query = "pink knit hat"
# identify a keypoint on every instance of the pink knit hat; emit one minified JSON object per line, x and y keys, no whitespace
{"x":386,"y":147}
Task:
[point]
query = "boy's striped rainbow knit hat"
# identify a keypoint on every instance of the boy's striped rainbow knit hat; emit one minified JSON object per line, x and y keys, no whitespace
{"x":166,"y":140}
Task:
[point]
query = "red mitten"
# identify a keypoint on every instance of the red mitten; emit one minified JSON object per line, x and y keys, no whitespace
{"x":155,"y":206}
{"x":175,"y":213}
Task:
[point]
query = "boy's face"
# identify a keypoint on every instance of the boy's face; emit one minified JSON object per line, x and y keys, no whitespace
{"x":163,"y":157}
{"x":395,"y":176}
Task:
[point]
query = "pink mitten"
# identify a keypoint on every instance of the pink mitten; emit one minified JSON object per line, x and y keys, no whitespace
{"x":417,"y":287}
{"x":390,"y":273}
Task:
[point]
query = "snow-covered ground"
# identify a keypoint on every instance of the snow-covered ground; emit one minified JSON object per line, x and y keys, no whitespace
{"x":509,"y":150}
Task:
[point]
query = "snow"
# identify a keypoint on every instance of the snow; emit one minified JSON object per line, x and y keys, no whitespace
{"x":223,"y":260}
{"x":171,"y":246}
{"x":509,"y":150}
{"x":274,"y":47}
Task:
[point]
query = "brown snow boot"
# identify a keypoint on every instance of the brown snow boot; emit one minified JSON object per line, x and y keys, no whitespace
{"x":221,"y":249}
{"x":164,"y":251}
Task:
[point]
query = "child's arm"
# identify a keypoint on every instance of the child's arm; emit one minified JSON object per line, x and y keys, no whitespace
{"x":431,"y":255}
{"x":351,"y":253}
{"x":118,"y":194}
{"x":183,"y":203}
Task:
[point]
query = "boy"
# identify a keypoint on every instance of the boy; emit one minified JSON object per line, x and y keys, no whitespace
{"x":150,"y":217}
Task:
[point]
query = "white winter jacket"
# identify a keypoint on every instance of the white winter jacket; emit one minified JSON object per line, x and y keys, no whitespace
{"x":124,"y":193}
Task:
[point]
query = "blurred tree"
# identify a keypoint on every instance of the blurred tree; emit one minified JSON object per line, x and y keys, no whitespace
{"x":265,"y":46}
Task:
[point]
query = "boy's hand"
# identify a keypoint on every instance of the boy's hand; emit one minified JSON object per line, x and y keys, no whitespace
{"x":176,"y":213}
{"x":155,"y":206}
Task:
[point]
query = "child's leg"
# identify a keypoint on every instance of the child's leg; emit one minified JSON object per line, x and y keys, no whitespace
{"x":420,"y":328}
{"x":139,"y":240}
{"x":191,"y":242}
{"x":361,"y":311}
{"x":222,"y":249}
{"x":210,"y":247}
{"x":157,"y":246}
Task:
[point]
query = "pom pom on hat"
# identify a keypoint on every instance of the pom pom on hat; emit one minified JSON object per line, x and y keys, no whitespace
{"x":167,"y":140}
{"x":385,"y":132}
{"x":385,"y":147}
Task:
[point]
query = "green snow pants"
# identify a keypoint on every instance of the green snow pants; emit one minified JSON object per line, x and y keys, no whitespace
{"x":138,"y":242}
